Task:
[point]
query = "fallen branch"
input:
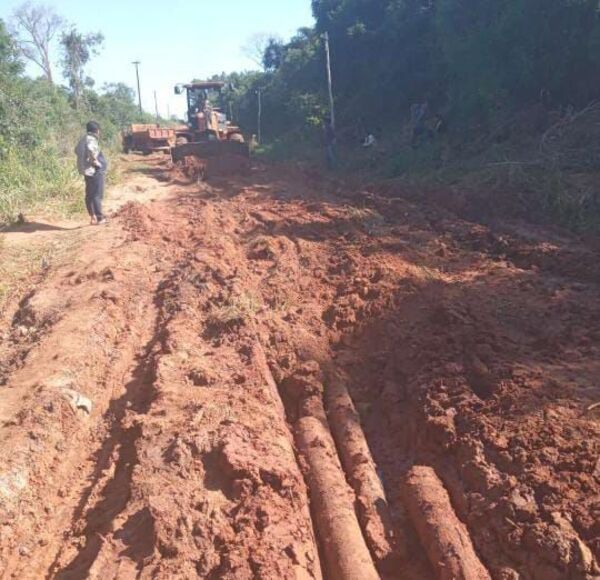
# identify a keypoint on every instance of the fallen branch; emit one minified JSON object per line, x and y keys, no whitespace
{"x":511,"y":163}
{"x":566,"y":121}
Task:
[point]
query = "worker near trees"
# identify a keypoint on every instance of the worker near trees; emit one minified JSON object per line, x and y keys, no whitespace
{"x":92,"y":164}
{"x":330,"y":142}
{"x":418,"y":118}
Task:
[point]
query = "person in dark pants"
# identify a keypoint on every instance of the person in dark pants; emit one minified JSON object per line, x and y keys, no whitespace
{"x":92,"y":164}
{"x":418,"y":117}
{"x":330,"y":142}
{"x":94,"y":192}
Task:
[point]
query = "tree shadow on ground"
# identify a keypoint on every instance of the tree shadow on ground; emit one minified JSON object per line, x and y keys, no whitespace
{"x":32,"y":227}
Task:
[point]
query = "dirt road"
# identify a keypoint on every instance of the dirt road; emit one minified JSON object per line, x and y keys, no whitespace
{"x":275,"y":376}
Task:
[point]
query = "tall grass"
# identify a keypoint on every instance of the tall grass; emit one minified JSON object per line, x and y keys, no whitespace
{"x":39,"y":129}
{"x":38,"y":180}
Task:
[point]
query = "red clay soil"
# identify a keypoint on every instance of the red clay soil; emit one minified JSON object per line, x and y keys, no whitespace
{"x":166,"y":389}
{"x":196,"y":169}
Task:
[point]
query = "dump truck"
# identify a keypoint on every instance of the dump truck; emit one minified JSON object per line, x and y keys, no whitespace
{"x":148,"y":138}
{"x":209,"y":134}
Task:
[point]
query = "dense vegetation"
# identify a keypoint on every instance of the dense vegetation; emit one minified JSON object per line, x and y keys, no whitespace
{"x":514,"y":83}
{"x":40,"y":122}
{"x":509,"y":79}
{"x":472,"y":61}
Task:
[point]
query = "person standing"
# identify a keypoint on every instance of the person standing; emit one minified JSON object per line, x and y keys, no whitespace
{"x":92,"y":164}
{"x":330,"y":142}
{"x":418,"y":117}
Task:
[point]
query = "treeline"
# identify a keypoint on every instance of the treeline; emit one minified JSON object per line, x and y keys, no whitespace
{"x":41,"y":119}
{"x":513,"y":83}
{"x":472,"y":61}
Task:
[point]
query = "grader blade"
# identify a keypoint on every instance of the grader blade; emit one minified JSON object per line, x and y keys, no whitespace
{"x":210,"y":149}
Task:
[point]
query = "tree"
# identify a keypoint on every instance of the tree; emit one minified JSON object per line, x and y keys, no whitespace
{"x":256,"y":46}
{"x":117,"y":103}
{"x":273,"y":55}
{"x":36,"y":26}
{"x":120,"y":92}
{"x":77,"y":49}
{"x":9,"y":57}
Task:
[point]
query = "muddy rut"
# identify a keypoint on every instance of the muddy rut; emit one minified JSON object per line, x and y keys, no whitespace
{"x":277,"y":376}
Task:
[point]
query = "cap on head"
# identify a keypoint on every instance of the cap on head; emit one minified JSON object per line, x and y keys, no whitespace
{"x":92,"y":127}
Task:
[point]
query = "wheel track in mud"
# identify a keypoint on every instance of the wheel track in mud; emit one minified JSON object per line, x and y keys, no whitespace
{"x":117,"y":454}
{"x":107,"y":498}
{"x":70,"y":466}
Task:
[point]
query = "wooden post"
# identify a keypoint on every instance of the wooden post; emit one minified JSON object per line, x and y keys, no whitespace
{"x":329,"y":81}
{"x":137,"y":74}
{"x":259,"y":134}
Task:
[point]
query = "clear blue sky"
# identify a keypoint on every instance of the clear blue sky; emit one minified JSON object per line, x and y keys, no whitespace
{"x":175,"y":40}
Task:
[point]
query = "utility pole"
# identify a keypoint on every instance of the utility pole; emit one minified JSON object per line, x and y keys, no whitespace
{"x":259,"y":135}
{"x":329,"y":81}
{"x":137,"y":72}
{"x":156,"y":106}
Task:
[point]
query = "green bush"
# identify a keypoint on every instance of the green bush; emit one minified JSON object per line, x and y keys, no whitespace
{"x":38,"y":133}
{"x":37,"y":179}
{"x":39,"y":128}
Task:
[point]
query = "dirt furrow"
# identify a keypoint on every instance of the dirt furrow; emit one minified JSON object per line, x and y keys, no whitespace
{"x":67,"y":385}
{"x":216,"y":466}
{"x":444,"y":344}
{"x":108,"y":490}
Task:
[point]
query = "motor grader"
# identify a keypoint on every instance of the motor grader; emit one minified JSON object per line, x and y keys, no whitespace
{"x":209,"y":134}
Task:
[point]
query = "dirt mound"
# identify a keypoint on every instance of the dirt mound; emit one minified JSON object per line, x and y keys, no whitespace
{"x":190,"y":168}
{"x":136,"y":219}
{"x":196,"y":169}
{"x":228,"y":165}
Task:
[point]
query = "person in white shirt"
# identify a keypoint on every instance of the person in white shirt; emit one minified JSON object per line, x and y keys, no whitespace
{"x":369,"y":141}
{"x":92,"y":164}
